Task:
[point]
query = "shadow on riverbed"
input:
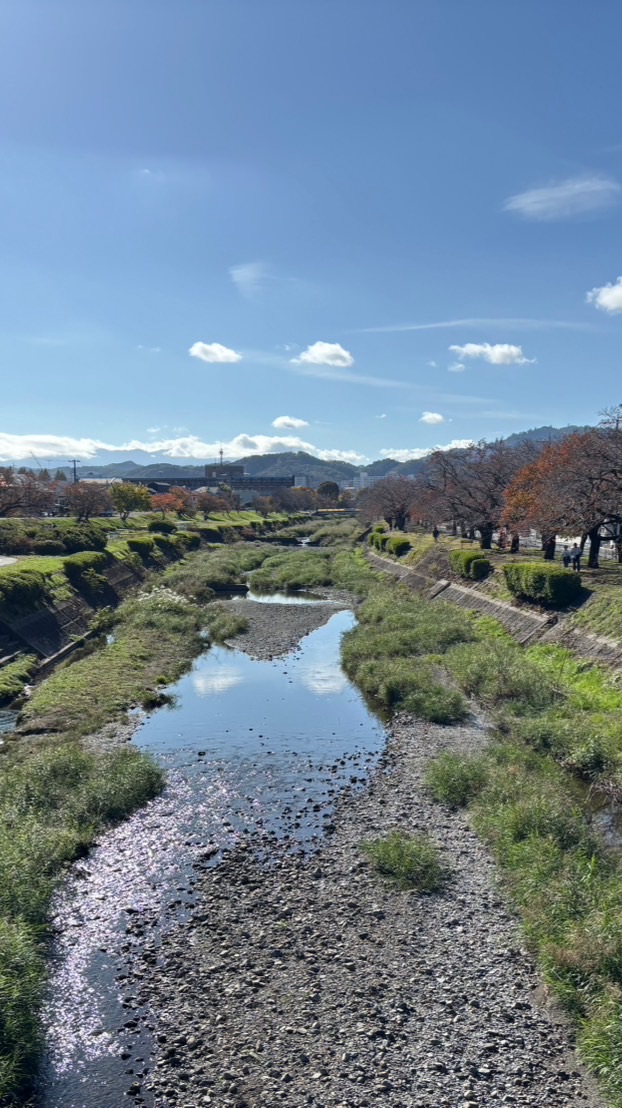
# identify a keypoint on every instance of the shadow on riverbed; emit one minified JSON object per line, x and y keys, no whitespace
{"x":250,"y":746}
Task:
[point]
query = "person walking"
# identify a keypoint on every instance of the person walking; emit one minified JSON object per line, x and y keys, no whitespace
{"x":575,"y":557}
{"x":435,"y":533}
{"x":566,"y":558}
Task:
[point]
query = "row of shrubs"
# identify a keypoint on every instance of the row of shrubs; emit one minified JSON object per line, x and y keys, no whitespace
{"x":470,"y":563}
{"x":392,"y":544}
{"x":49,"y":537}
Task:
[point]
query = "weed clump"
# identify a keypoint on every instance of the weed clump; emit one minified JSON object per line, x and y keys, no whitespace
{"x":455,"y":781}
{"x":409,"y":862}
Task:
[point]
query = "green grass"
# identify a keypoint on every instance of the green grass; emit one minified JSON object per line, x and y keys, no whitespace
{"x":53,"y":804}
{"x":220,"y":568}
{"x":568,"y":888}
{"x":388,"y":654}
{"x":224,"y":621}
{"x":15,"y":675}
{"x":409,"y":862}
{"x":454,"y":781}
{"x":603,"y":614}
{"x":300,"y":569}
{"x":157,"y":633}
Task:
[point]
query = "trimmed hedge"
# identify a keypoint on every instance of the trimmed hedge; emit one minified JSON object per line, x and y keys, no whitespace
{"x":81,"y":536}
{"x":479,"y":568}
{"x":211,"y":534}
{"x":397,"y":545}
{"x":48,"y":546}
{"x":187,"y":540}
{"x":461,"y":562}
{"x":21,"y":588}
{"x":162,"y":525}
{"x":379,"y":539}
{"x":142,"y":545}
{"x":165,"y":543}
{"x":84,"y":570}
{"x":543,"y":583}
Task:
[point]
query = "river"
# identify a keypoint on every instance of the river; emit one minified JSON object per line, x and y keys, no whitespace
{"x":250,"y":747}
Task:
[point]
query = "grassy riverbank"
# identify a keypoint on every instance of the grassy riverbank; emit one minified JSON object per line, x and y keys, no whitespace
{"x":55,"y":798}
{"x":559,"y":729}
{"x":53,"y":804}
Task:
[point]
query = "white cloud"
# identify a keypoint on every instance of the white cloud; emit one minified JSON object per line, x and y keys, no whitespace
{"x":325,"y":353}
{"x":153,"y":430}
{"x":456,"y":367}
{"x":432,"y":417}
{"x":499,"y":353}
{"x":406,"y":455}
{"x":574,"y":197}
{"x":250,"y":277}
{"x":608,"y":298}
{"x":288,"y":423}
{"x":383,"y":415}
{"x":213,"y":352}
{"x":16,"y":448}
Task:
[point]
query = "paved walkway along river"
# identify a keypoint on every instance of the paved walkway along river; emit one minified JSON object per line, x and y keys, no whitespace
{"x":230,"y":946}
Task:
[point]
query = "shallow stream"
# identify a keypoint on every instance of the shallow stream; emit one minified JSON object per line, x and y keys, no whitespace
{"x":249,"y":746}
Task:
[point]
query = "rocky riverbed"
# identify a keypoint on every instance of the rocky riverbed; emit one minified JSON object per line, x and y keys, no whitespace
{"x":304,"y":979}
{"x":277,"y":629}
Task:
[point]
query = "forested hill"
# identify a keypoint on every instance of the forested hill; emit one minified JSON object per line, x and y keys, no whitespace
{"x":305,"y":467}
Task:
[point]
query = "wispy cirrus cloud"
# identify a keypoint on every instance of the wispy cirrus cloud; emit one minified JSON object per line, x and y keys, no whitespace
{"x":576,"y":196}
{"x":213,"y":352}
{"x":498,"y":353}
{"x":608,"y":298}
{"x":509,"y":323}
{"x":250,"y":278}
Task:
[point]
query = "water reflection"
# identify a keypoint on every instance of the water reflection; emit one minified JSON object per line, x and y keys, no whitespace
{"x":248,"y":746}
{"x":8,"y":720}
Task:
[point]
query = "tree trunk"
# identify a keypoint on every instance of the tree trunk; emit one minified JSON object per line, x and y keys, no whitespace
{"x":595,"y":541}
{"x":515,"y":543}
{"x":454,"y":527}
{"x":485,"y":537}
{"x":619,"y":551}
{"x":548,"y":547}
{"x":471,"y":533}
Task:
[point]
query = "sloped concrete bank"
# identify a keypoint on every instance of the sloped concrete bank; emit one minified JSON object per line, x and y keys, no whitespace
{"x":527,"y":627}
{"x":312,"y":982}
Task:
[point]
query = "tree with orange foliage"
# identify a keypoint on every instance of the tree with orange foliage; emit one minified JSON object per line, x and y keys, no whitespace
{"x":574,"y":487}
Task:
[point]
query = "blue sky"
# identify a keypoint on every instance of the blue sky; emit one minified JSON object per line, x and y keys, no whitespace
{"x":362,"y":226}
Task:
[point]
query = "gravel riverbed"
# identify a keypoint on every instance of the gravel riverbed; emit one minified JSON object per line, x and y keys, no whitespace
{"x":307,"y":980}
{"x":277,"y":629}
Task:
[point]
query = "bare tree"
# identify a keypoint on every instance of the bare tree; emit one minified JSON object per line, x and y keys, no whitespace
{"x":23,"y":494}
{"x":470,"y":484}
{"x":390,"y":499}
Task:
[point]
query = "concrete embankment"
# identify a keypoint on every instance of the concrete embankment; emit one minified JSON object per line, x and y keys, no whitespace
{"x":528,"y":626}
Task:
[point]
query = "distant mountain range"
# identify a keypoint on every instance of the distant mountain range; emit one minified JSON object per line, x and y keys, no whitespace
{"x":305,"y":467}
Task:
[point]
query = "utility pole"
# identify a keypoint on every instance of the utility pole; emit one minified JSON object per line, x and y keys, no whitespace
{"x":73,"y":462}
{"x":222,"y":454}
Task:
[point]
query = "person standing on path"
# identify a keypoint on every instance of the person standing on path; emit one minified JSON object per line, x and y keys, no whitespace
{"x":575,"y":557}
{"x":435,"y":533}
{"x":566,"y":557}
